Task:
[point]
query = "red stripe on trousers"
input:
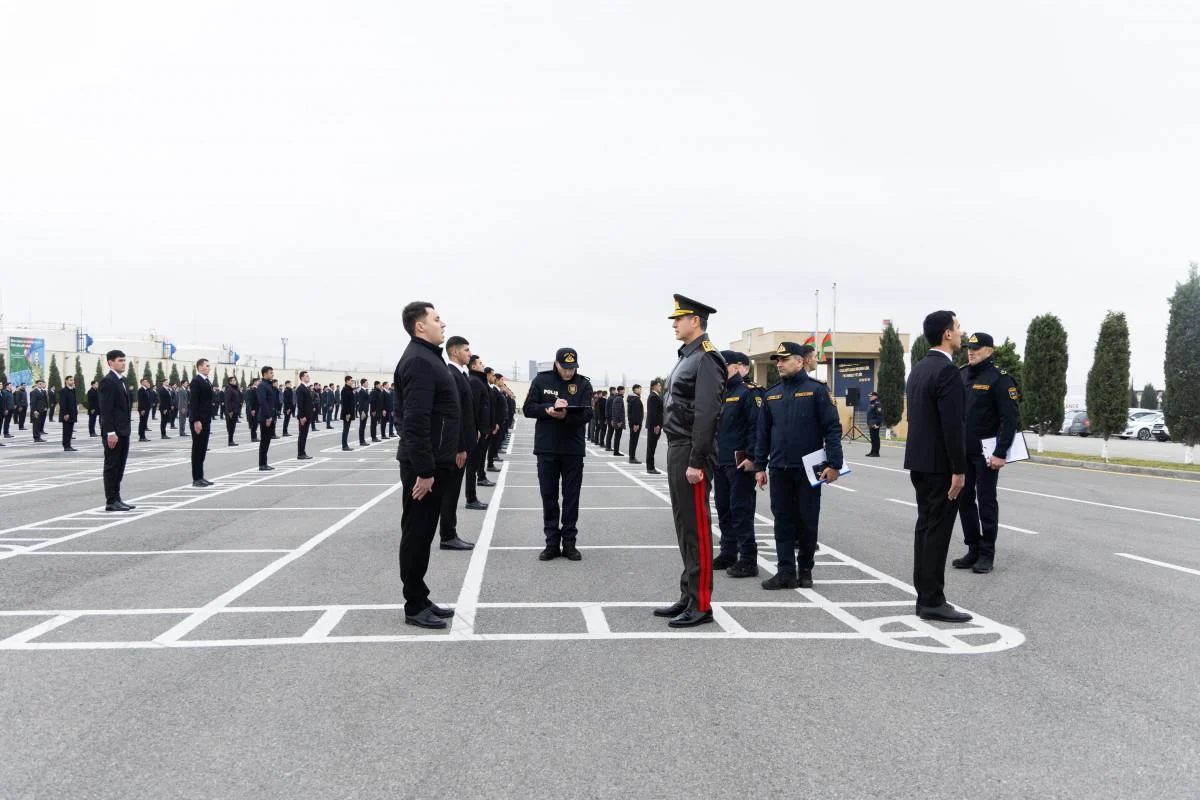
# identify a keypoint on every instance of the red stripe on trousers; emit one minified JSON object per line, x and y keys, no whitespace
{"x":704,"y":537}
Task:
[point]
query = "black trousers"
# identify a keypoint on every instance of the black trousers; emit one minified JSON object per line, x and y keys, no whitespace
{"x":303,"y":440}
{"x":329,"y":417}
{"x":651,"y":445}
{"x":264,"y":442}
{"x":252,"y":422}
{"x":874,"y":441}
{"x":978,"y":508}
{"x":21,"y":418}
{"x":374,"y":427}
{"x":734,"y":493}
{"x":287,"y":417}
{"x":418,"y":525}
{"x":200,"y":448}
{"x":494,"y":443}
{"x":39,"y":426}
{"x":164,"y":419}
{"x":931,"y":540}
{"x":114,"y":468}
{"x":182,"y":416}
{"x":634,"y":435}
{"x":479,"y":457}
{"x":617,"y":439}
{"x":8,"y":415}
{"x":560,"y":524}
{"x":346,"y":432}
{"x":230,"y":425}
{"x":609,"y":430}
{"x":796,"y":506}
{"x":693,"y":527}
{"x":67,"y":429}
{"x":449,"y":516}
{"x":92,"y":419}
{"x":471,"y":476}
{"x":362,"y":431}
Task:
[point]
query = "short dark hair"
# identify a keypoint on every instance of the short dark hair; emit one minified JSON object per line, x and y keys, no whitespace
{"x":656,"y":382}
{"x":488,"y":370}
{"x":637,"y":386}
{"x":349,"y":378}
{"x":362,"y":382}
{"x":936,"y":324}
{"x":472,"y":360}
{"x":113,"y":355}
{"x":612,"y":388}
{"x":456,"y":341}
{"x":376,"y":383}
{"x":303,"y":372}
{"x":620,"y":388}
{"x":265,"y":370}
{"x":201,"y":362}
{"x":413,"y":313}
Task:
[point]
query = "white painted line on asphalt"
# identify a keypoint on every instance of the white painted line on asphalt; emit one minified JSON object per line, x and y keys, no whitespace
{"x":1013,"y":528}
{"x":585,"y":548}
{"x":585,"y":486}
{"x":145,"y":552}
{"x":727,"y":622}
{"x":315,"y":485}
{"x":597,"y":623}
{"x":37,"y":630}
{"x":214,"y":606}
{"x":593,"y":508}
{"x":194,"y":509}
{"x":325,"y":624}
{"x":839,"y":487}
{"x":468,"y":596}
{"x":1188,"y":570}
{"x":1101,"y":505}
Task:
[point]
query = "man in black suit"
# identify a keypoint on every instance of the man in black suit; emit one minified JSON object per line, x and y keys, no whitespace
{"x":306,"y":412}
{"x":347,"y":403}
{"x":114,"y":422}
{"x":636,"y":417}
{"x":375,"y":401}
{"x":330,"y":398}
{"x":232,"y":401}
{"x":499,"y":415}
{"x":39,"y":403}
{"x":481,"y":397}
{"x":654,"y":421}
{"x":200,"y":402}
{"x":936,"y":458}
{"x":68,"y":412}
{"x":459,"y":351}
{"x":145,"y":402}
{"x":52,"y":403}
{"x":428,"y":403}
{"x":21,"y":404}
{"x":617,"y":417}
{"x":252,"y":418}
{"x":362,"y":407}
{"x":165,"y":402}
{"x":93,"y":408}
{"x":268,"y":409}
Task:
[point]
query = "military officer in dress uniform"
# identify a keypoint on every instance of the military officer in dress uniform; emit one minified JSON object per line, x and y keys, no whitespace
{"x":559,"y":400}
{"x":694,"y":400}
{"x":993,"y":410}
{"x":797,"y":418}
{"x":874,"y":422}
{"x":733,"y":488}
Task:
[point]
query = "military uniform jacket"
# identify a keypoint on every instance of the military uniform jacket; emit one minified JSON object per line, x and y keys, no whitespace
{"x":738,"y":429}
{"x":798,"y":417}
{"x":201,"y":399}
{"x":114,"y":405}
{"x":428,"y":413}
{"x":559,"y":437}
{"x":694,"y":400}
{"x":993,"y":407}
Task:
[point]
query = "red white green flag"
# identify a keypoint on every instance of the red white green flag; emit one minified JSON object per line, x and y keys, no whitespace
{"x":826,"y":343}
{"x":812,"y":340}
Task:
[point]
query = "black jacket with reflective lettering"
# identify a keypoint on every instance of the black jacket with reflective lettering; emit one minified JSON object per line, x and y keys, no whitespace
{"x":695,"y":395}
{"x":559,"y":437}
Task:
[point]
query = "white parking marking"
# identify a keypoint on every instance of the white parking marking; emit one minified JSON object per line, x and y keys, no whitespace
{"x":1188,"y":570}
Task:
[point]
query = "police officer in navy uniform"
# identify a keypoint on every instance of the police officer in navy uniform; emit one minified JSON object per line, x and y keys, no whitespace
{"x":559,"y":399}
{"x":694,"y":400}
{"x":734,"y":489}
{"x":993,"y":410}
{"x":798,"y":417}
{"x":874,"y":423}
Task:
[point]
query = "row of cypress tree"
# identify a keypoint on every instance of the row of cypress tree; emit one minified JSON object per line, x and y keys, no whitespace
{"x":1042,"y":373}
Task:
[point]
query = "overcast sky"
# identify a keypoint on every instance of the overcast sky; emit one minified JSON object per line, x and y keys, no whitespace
{"x":549,"y":173}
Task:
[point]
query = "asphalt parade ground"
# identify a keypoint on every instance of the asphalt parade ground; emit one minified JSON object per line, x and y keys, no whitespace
{"x":247,"y":640}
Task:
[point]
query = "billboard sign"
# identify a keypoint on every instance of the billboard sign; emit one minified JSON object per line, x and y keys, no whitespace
{"x":26,"y":360}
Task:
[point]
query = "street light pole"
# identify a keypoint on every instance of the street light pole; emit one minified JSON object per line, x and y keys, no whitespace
{"x":284,"y":340}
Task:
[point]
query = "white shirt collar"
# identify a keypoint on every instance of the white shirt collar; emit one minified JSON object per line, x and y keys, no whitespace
{"x":943,"y":352}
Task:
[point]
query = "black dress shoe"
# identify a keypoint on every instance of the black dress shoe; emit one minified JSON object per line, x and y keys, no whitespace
{"x":967,"y":561}
{"x":441,"y":613}
{"x":804,"y":578}
{"x":571,"y":552}
{"x":551,"y":552}
{"x":742,"y":569}
{"x":347,"y":449}
{"x":364,"y":444}
{"x":232,"y":444}
{"x":70,"y":450}
{"x":493,"y":469}
{"x":114,"y":507}
{"x":691,"y":618}
{"x":305,"y":457}
{"x":266,"y":468}
{"x":781,"y":580}
{"x":485,"y":482}
{"x":618,"y":455}
{"x":428,"y":618}
{"x":200,"y":484}
{"x":475,"y":505}
{"x":945,"y":612}
{"x":724,"y":562}
{"x":653,"y":472}
{"x":456,"y":544}
{"x":673,"y":610}
{"x":499,"y":459}
{"x":634,"y":461}
{"x":128,"y":507}
{"x":374,"y":440}
{"x":288,"y":435}
{"x":984,"y":564}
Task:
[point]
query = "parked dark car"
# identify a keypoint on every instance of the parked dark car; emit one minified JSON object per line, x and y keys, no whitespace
{"x":1077,"y":424}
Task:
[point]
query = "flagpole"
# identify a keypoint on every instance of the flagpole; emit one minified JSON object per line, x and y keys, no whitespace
{"x":833,"y":347}
{"x":816,"y":315}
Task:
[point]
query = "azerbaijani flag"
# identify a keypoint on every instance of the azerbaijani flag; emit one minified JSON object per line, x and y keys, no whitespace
{"x":812,"y":340}
{"x":826,"y":343}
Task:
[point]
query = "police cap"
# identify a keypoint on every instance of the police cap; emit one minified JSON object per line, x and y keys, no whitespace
{"x":567,"y":358}
{"x":686,"y":307}
{"x":979,"y":340}
{"x":734,"y":357}
{"x":789,"y":349}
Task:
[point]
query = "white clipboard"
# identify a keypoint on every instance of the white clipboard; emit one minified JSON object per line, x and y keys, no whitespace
{"x":814,"y":460}
{"x":1018,"y":451}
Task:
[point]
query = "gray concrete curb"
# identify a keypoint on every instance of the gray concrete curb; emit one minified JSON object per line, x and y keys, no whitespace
{"x":1162,"y":473}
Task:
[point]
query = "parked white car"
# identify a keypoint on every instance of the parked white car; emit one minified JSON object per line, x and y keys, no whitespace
{"x":1160,"y":431}
{"x":1141,"y":427}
